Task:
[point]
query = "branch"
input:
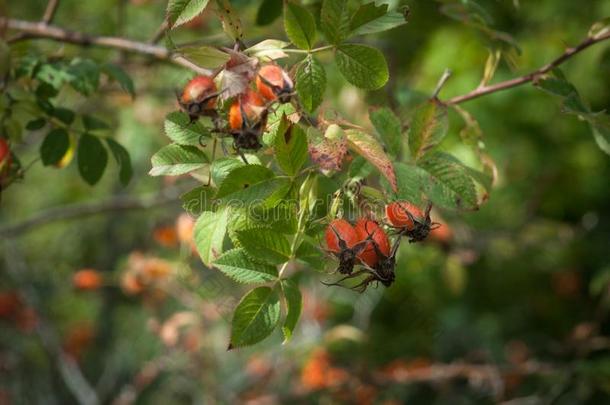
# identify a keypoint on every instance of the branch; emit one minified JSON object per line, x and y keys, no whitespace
{"x":483,"y":90}
{"x":49,"y":13}
{"x":116,"y":203}
{"x":40,"y":30}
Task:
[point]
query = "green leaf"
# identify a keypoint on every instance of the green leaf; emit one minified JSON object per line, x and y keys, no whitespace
{"x":294,"y":304}
{"x":204,"y":56}
{"x":335,"y":20}
{"x":449,"y":184}
{"x":174,"y":160}
{"x":222,"y":167}
{"x":389,"y":128}
{"x":237,"y":265}
{"x":117,"y":74}
{"x":600,"y":126}
{"x":63,"y":114}
{"x":370,"y":18}
{"x":209,"y":234}
{"x":180,"y":129}
{"x":92,"y":158}
{"x":252,"y":184}
{"x":310,"y":254}
{"x":369,"y":148}
{"x":264,"y":245}
{"x":197,"y":200}
{"x":84,"y":76}
{"x":291,"y":149}
{"x":123,"y":160}
{"x":362,"y":66}
{"x":182,"y":11}
{"x":268,"y":11}
{"x":411,"y":182}
{"x":268,"y":49}
{"x":428,"y":128}
{"x":36,"y":124}
{"x":255,"y":317}
{"x":93,"y":124}
{"x":300,"y":25}
{"x":311,"y":83}
{"x":275,"y":118}
{"x":54,"y":146}
{"x":231,"y":24}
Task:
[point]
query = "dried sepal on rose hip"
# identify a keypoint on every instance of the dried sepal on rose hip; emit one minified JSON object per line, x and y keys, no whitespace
{"x":247,"y":120}
{"x":199,"y":97}
{"x":273,"y":83}
{"x":410,"y":220}
{"x":375,"y":239}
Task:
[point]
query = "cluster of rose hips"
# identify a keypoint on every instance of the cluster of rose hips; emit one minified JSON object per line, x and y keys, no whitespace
{"x":247,"y":113}
{"x":367,"y":244}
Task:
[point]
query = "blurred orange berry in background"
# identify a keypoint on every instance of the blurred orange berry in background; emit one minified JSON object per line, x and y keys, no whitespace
{"x":166,"y":236}
{"x":87,"y":279}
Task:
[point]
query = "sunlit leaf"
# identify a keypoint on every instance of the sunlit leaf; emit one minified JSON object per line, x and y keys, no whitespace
{"x":369,"y":148}
{"x":264,"y":245}
{"x":174,"y":160}
{"x":209,"y":234}
{"x":300,"y":25}
{"x":255,"y":317}
{"x":310,"y":83}
{"x":428,"y":128}
{"x":180,"y":129}
{"x":238,"y":266}
{"x":294,"y":304}
{"x":268,"y":49}
{"x":182,"y":11}
{"x":362,"y":65}
{"x":204,"y":56}
{"x":370,"y":18}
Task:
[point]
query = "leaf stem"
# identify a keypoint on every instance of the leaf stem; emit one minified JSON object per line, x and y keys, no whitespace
{"x":304,"y":51}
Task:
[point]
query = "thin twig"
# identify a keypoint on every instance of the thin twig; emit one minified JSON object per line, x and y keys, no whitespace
{"x":50,"y":11}
{"x":507,"y":84}
{"x":116,"y":203}
{"x":38,"y":30}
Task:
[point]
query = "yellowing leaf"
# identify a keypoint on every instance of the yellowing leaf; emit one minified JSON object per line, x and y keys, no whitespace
{"x":370,"y":149}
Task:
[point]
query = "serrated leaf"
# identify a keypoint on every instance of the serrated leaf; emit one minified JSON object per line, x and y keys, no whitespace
{"x":204,"y":56}
{"x":335,"y":20}
{"x":428,"y":128}
{"x":117,"y":73}
{"x":268,"y":49}
{"x":411,"y":181}
{"x":311,"y":83}
{"x":300,"y":25}
{"x":388,"y":127}
{"x":209,"y":234}
{"x":294,"y":304}
{"x":370,"y":18}
{"x":54,"y":146}
{"x":327,"y":150}
{"x":180,"y":129}
{"x":238,"y":266}
{"x":174,"y":160}
{"x":231,"y":24}
{"x":222,"y":167}
{"x":264,"y":245}
{"x":449,"y":184}
{"x":123,"y":160}
{"x":369,"y":148}
{"x":255,"y":317}
{"x":275,"y":118}
{"x":268,"y":11}
{"x":252,"y":184}
{"x":182,"y":11}
{"x":92,"y":158}
{"x":291,"y":149}
{"x":362,"y":66}
{"x":197,"y":200}
{"x":311,"y":254}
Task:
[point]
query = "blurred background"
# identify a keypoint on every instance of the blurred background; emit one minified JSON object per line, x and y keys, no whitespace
{"x":508,"y":304}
